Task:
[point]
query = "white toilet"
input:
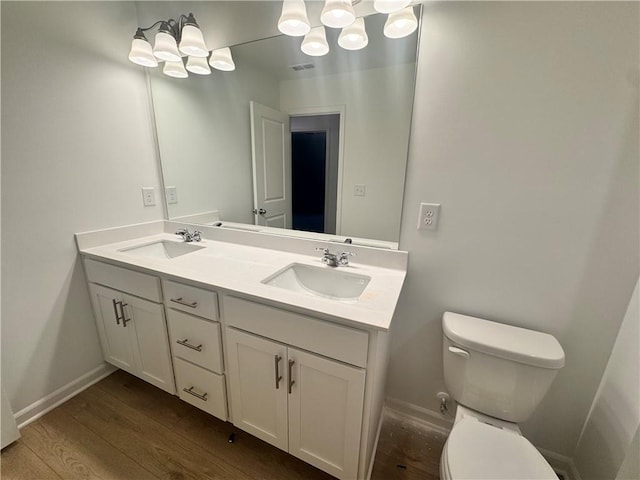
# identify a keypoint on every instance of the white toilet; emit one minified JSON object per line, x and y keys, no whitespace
{"x":497,"y":374}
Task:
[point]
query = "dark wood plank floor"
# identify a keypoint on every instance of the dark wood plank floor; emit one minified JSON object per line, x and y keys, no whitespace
{"x":124,"y":428}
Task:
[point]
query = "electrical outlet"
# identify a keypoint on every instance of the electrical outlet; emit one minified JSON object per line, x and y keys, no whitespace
{"x":148,"y":196}
{"x":428,"y":217}
{"x":359,"y":190}
{"x":172,"y":194}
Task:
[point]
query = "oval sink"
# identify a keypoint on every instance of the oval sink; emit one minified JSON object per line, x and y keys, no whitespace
{"x":162,"y":249}
{"x":325,"y":282}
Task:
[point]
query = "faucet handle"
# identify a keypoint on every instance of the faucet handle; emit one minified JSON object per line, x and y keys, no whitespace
{"x":344,"y":258}
{"x":323,"y":250}
{"x":196,"y":235}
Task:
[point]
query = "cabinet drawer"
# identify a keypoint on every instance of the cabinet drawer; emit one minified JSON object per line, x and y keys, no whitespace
{"x":196,"y":340}
{"x":194,"y":300}
{"x":332,"y":340}
{"x":201,"y":388}
{"x":135,"y":283}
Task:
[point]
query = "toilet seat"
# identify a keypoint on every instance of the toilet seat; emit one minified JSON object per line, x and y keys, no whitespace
{"x":476,"y":450}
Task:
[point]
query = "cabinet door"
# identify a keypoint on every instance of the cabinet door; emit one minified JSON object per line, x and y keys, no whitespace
{"x":257,"y":380}
{"x":116,"y":346}
{"x":146,"y":325}
{"x":325,"y":413}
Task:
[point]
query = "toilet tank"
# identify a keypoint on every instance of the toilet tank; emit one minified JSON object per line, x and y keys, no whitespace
{"x":497,"y":369}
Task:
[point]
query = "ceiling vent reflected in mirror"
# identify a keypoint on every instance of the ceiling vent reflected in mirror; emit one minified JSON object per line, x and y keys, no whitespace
{"x":302,"y":66}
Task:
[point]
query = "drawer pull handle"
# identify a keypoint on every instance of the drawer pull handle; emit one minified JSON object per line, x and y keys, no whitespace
{"x":291,"y":380}
{"x":180,"y":301}
{"x":278,"y":376}
{"x":197,"y":395}
{"x":185,"y":343}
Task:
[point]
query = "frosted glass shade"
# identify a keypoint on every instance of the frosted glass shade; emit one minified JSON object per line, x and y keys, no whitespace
{"x":165,"y":47}
{"x":198,"y":65}
{"x":354,"y":37}
{"x":142,"y":53}
{"x":337,"y":13}
{"x":293,"y":20}
{"x":175,"y":69}
{"x":315,"y":42}
{"x":221,"y":59}
{"x":192,"y":42}
{"x":389,"y":6}
{"x":400,"y":24}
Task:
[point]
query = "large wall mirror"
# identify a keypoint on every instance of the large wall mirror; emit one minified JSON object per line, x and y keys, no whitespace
{"x":348,"y":116}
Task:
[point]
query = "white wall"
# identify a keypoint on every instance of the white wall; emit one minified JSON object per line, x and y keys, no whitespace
{"x":614,"y":419}
{"x":204,"y":135}
{"x":525,"y":128}
{"x":376,"y":136}
{"x":77,"y":146}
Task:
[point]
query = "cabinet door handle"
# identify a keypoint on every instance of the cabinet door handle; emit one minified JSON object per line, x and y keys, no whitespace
{"x":185,"y":343}
{"x":115,"y":310}
{"x":124,"y":318}
{"x":197,"y":395}
{"x":278,"y":376}
{"x":291,"y":380}
{"x":180,"y":301}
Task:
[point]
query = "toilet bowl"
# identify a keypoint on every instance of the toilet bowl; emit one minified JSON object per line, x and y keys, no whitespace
{"x":497,"y":374}
{"x":477,"y":449}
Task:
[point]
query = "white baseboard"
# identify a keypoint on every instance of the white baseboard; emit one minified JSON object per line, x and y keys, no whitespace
{"x":38,"y":408}
{"x":434,"y":420}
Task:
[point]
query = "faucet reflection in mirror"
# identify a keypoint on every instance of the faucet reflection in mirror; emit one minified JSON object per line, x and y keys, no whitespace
{"x":174,"y":40}
{"x":401,"y":22}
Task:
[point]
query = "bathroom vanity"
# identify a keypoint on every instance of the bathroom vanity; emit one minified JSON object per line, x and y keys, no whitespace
{"x":254,"y":329}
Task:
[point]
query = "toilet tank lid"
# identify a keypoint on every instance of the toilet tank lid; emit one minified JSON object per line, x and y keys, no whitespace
{"x":505,"y":341}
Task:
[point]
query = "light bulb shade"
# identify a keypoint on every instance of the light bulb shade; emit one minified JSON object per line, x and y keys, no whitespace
{"x":198,"y":65}
{"x":315,"y":42}
{"x":354,"y":37}
{"x":337,"y":13}
{"x":192,"y":42}
{"x":400,"y":24}
{"x":221,"y":59}
{"x":165,"y":47}
{"x":293,"y":20}
{"x":175,"y":69}
{"x":142,"y":53}
{"x":389,"y":6}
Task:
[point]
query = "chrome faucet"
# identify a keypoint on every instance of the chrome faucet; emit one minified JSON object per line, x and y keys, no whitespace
{"x":334,"y":259}
{"x":188,"y":236}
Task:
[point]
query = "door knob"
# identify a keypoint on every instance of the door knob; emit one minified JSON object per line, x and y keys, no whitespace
{"x":261,"y":211}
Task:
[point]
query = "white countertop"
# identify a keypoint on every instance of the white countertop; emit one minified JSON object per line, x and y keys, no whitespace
{"x":239,"y":269}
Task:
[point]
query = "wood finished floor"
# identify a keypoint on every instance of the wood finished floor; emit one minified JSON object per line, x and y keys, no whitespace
{"x":124,"y":428}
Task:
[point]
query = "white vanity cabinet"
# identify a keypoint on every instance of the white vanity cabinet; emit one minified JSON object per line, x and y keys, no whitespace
{"x":132,"y":330}
{"x":196,"y":342}
{"x":295,"y":385}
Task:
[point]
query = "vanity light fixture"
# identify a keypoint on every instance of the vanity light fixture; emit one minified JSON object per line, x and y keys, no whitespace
{"x":401,"y":22}
{"x":337,"y":13}
{"x":293,"y":20}
{"x":354,"y":36}
{"x":315,"y":42}
{"x":221,"y":60}
{"x":174,"y":40}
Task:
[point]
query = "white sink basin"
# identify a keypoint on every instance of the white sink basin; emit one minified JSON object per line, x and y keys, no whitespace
{"x":162,"y":249}
{"x":326,"y":282}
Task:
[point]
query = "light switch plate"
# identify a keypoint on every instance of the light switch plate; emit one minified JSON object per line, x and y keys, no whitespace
{"x":359,"y":190}
{"x":148,"y":196}
{"x":428,"y":216}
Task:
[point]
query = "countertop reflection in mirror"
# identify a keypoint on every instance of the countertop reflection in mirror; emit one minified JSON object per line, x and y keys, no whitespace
{"x":349,"y":114}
